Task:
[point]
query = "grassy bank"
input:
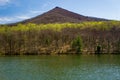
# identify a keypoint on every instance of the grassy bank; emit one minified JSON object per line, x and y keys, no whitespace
{"x":64,"y":38}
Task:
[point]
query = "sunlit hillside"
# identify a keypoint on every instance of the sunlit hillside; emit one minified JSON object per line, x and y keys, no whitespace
{"x":65,"y":38}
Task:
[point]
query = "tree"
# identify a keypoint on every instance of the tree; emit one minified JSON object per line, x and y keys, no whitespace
{"x":98,"y":49}
{"x":117,"y":47}
{"x":77,"y":44}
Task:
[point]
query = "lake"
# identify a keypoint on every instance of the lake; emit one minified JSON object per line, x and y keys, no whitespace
{"x":65,"y":67}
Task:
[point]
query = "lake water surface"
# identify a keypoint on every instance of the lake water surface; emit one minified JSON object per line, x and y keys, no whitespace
{"x":82,"y":67}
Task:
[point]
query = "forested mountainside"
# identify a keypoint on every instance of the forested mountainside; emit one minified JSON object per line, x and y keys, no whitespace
{"x":61,"y":38}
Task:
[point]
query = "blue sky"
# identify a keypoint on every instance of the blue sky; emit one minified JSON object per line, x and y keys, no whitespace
{"x":17,"y":10}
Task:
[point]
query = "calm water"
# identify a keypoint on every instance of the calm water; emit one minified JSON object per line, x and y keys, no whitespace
{"x":87,"y":67}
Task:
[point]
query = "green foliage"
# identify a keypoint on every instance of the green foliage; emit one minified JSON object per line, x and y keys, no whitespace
{"x":98,"y":49}
{"x":47,"y":41}
{"x":101,"y":25}
{"x":118,"y":46}
{"x":77,"y":44}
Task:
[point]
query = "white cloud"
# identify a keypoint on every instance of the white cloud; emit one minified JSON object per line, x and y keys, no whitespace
{"x":4,"y":2}
{"x":35,"y":11}
{"x":23,"y":17}
{"x":30,"y":14}
{"x":4,"y":20}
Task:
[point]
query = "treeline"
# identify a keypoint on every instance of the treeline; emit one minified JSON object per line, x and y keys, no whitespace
{"x":67,"y":38}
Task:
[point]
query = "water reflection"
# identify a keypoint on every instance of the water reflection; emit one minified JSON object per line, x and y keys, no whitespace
{"x":82,"y":67}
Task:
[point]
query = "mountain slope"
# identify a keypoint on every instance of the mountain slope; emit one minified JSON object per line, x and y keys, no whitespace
{"x":59,"y":15}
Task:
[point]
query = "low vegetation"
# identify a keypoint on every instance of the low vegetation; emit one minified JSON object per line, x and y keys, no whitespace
{"x":64,"y":38}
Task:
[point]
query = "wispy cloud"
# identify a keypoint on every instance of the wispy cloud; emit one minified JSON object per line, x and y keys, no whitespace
{"x":20,"y":17}
{"x":35,"y":11}
{"x":23,"y":17}
{"x":4,"y":20}
{"x":31,"y":13}
{"x":4,"y":2}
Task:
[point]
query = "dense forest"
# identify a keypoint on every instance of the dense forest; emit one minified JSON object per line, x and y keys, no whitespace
{"x":64,"y":38}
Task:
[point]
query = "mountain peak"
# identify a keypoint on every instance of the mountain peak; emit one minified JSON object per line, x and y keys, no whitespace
{"x":56,"y":7}
{"x":60,"y":15}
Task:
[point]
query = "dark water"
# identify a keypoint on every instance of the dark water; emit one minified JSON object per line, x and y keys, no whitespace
{"x":84,"y":67}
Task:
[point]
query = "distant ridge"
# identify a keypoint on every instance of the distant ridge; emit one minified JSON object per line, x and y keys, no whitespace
{"x":60,"y":15}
